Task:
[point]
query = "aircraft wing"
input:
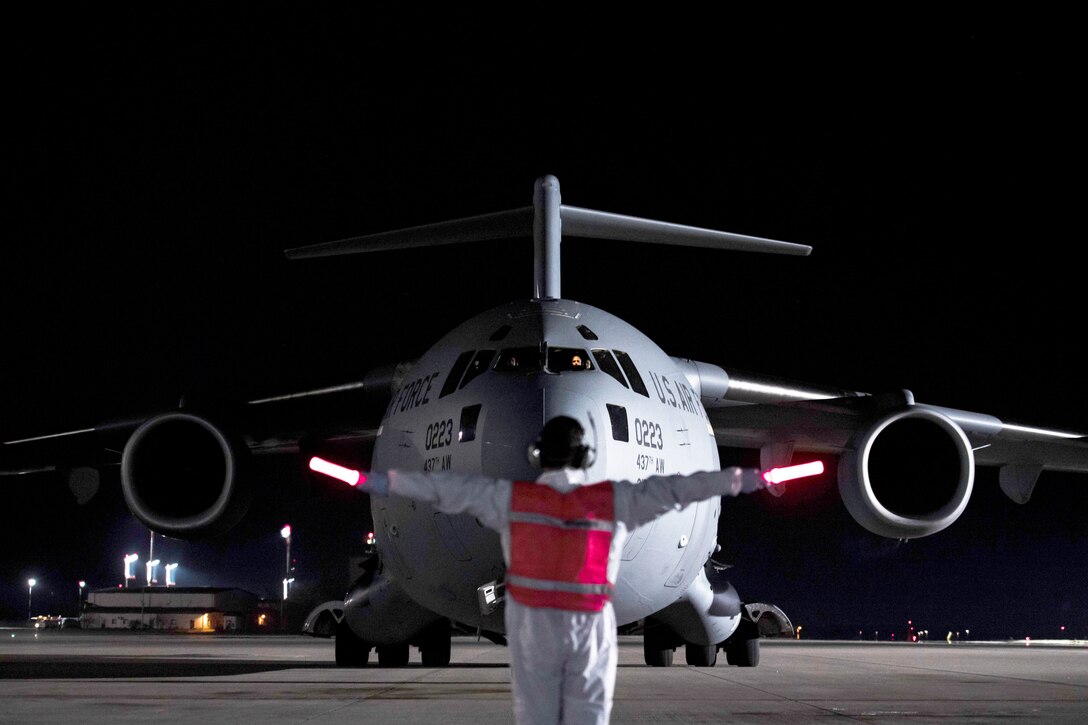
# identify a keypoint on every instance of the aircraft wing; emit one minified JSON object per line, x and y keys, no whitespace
{"x":203,"y":448}
{"x":905,"y":468}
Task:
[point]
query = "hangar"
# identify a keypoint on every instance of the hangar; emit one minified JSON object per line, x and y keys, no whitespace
{"x":192,"y":609}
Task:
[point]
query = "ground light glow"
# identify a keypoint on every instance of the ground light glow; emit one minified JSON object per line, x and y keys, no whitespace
{"x":130,"y":559}
{"x":789,"y":473}
{"x":348,"y":475}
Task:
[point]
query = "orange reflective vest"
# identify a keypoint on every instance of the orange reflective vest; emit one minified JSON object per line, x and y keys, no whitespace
{"x":559,"y":544}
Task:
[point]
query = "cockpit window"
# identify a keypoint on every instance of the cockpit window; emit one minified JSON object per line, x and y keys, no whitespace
{"x":519,"y":360}
{"x":607,"y":363}
{"x":587,"y":333}
{"x":568,"y":359}
{"x":632,"y":373}
{"x":456,"y":372}
{"x":479,"y":364}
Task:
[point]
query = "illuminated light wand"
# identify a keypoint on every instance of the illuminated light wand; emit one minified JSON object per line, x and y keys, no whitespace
{"x":774,"y":476}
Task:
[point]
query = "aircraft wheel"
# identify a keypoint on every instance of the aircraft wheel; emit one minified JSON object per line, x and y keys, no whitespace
{"x":393,"y":655}
{"x":434,"y":651}
{"x":654,"y":654}
{"x":700,"y":656}
{"x":742,"y":653}
{"x":350,"y":650}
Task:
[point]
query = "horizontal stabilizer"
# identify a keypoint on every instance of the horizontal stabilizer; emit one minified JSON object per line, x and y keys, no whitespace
{"x":546,"y":222}
{"x":500,"y":225}
{"x":579,"y":222}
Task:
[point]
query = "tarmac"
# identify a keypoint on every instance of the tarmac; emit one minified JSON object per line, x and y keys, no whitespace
{"x":74,"y":676}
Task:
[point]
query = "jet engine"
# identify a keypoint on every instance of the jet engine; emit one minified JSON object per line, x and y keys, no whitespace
{"x":184,"y":476}
{"x":909,"y":474}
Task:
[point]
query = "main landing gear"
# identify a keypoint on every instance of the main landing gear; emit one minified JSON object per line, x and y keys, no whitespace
{"x":433,"y":644}
{"x":659,"y":644}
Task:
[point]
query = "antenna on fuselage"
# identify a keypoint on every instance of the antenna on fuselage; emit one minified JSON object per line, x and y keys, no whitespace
{"x":547,"y":220}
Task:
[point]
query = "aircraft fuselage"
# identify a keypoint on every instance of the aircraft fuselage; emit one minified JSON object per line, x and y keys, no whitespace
{"x":479,"y":397}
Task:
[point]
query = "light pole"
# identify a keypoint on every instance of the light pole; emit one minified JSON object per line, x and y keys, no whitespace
{"x":285,"y":532}
{"x":170,"y":574}
{"x":130,"y":559}
{"x":30,"y":597}
{"x":79,"y":602}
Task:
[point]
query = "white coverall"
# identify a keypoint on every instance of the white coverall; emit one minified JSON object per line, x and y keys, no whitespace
{"x":563,"y":663}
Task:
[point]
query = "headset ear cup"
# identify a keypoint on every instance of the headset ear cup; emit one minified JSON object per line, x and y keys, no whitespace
{"x":583,"y":457}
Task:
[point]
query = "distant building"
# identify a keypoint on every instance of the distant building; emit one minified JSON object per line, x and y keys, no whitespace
{"x":183,"y":609}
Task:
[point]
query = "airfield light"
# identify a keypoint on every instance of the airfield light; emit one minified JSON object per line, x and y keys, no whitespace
{"x":30,"y":597}
{"x":130,"y":559}
{"x":170,"y":569}
{"x":348,"y":475}
{"x":151,"y":570}
{"x":789,"y":473}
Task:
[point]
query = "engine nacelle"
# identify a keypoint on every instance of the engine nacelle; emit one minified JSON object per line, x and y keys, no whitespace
{"x":185,"y":477}
{"x":909,"y":474}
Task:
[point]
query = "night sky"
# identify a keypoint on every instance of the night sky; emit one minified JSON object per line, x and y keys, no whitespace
{"x":158,"y":165}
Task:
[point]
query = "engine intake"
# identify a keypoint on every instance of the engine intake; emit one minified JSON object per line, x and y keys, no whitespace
{"x":910,"y":474}
{"x":183,"y":476}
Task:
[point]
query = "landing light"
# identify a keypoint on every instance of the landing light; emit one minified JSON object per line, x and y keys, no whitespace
{"x":789,"y":473}
{"x":348,"y":475}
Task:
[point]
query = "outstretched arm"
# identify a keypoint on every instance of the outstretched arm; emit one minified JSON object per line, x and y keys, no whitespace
{"x":488,"y":499}
{"x":640,"y":503}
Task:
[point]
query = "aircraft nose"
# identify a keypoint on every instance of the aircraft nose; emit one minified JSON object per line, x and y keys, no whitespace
{"x":560,"y":401}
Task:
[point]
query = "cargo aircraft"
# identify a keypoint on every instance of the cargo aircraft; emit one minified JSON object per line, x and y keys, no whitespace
{"x":475,"y":401}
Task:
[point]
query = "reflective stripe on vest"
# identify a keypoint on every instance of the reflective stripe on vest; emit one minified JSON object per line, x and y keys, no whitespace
{"x":559,"y":544}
